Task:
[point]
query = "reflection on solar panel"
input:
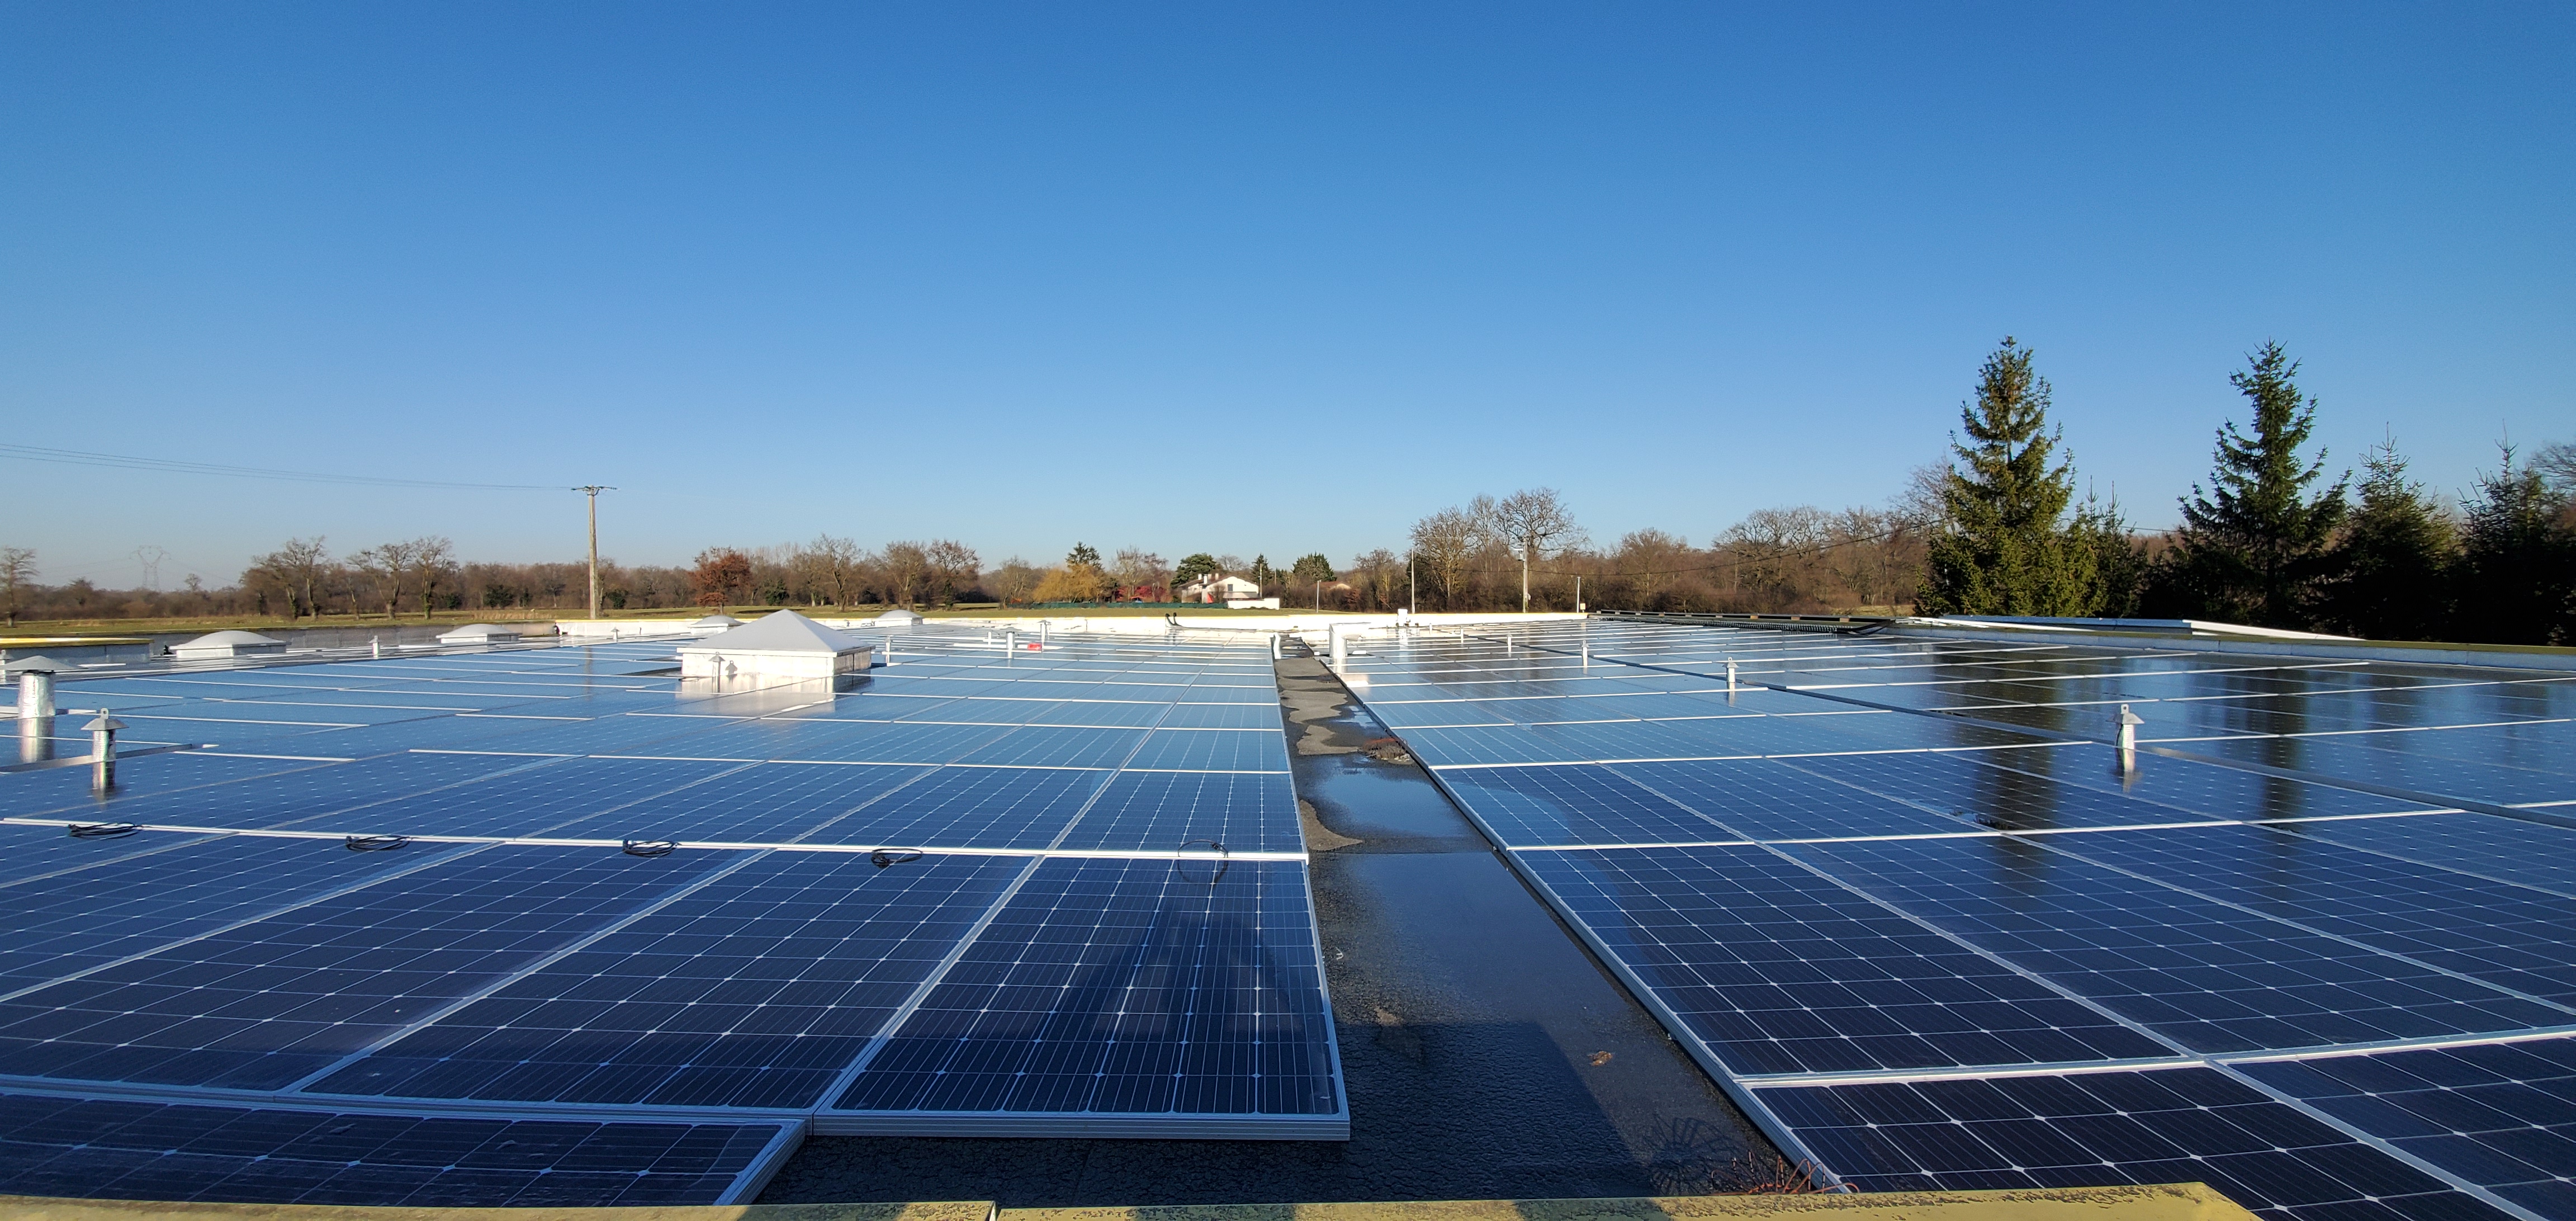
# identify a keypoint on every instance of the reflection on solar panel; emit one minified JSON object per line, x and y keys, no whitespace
{"x":627,"y":942}
{"x":1894,"y":893}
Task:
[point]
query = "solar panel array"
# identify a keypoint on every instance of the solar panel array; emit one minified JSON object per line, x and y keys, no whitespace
{"x":2318,"y":949}
{"x":555,"y":927}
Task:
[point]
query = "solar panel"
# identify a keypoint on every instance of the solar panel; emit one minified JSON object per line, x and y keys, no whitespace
{"x":2501,"y":1115}
{"x":602,"y":893}
{"x":1126,"y":990}
{"x":126,"y":1149}
{"x":1934,"y":954}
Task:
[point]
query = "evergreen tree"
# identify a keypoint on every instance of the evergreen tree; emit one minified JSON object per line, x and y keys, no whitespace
{"x":2119,"y":562}
{"x":1192,"y":567}
{"x":2392,"y":567}
{"x":2002,"y":549}
{"x":2517,"y":571}
{"x":2253,"y":549}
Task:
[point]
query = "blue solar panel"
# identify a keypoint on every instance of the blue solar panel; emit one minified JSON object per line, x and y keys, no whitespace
{"x":2170,"y":1126}
{"x":136,"y":1150}
{"x":1125,"y":988}
{"x":767,"y":803}
{"x":2211,"y":976}
{"x":1782,"y":971}
{"x":1223,"y":716}
{"x":1057,"y":746}
{"x":1538,"y":806}
{"x":1844,"y":988}
{"x":2505,"y":935}
{"x":514,"y":977}
{"x":67,"y":789}
{"x":262,"y":1005}
{"x":1170,"y":811}
{"x":2500,"y":1115}
{"x":1784,"y":799}
{"x":972,"y":807}
{"x":752,"y":992}
{"x":77,"y":919}
{"x":2510,"y":850}
{"x":525,"y":801}
{"x":1222,"y":750}
{"x":848,"y":742}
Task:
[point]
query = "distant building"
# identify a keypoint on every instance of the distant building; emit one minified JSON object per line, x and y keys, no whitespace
{"x":1215,"y":588}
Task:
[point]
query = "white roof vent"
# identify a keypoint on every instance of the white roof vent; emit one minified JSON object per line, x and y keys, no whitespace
{"x":479,"y":633}
{"x":898,"y":617}
{"x":226,"y":644}
{"x":782,"y":645}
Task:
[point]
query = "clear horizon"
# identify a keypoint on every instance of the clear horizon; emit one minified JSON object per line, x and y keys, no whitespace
{"x":1236,"y":281}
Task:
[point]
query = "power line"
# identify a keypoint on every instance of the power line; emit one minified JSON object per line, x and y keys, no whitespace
{"x":168,"y":466}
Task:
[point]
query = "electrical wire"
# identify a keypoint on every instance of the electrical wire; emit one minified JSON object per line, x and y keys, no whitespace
{"x":168,"y":466}
{"x":375,"y":843}
{"x":651,"y":847}
{"x":101,"y":830}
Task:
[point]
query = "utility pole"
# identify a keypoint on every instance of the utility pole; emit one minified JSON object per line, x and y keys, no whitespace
{"x":594,"y":490}
{"x":1412,"y":596}
{"x":1524,"y":582}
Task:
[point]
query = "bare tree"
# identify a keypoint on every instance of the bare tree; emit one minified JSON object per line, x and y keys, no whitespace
{"x":1778,"y":554}
{"x":389,"y":565}
{"x":300,"y":565}
{"x":1015,"y":581}
{"x":1443,"y":545}
{"x":17,"y":573}
{"x":1136,"y":569}
{"x":832,"y":565}
{"x":907,"y":568}
{"x":953,"y":567}
{"x":433,"y":564}
{"x":1376,"y":575}
{"x":1533,"y":522}
{"x":1648,"y":561}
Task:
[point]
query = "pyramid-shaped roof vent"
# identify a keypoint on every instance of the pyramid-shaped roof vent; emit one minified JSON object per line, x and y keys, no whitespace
{"x":783,"y":632}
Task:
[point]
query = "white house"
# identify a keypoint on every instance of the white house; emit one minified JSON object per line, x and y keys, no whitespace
{"x":1218,"y":588}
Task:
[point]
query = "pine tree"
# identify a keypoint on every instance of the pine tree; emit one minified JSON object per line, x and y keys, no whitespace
{"x":2119,"y":562}
{"x":2392,"y":566}
{"x":2517,"y":582}
{"x":2002,"y":549}
{"x":2254,"y":548}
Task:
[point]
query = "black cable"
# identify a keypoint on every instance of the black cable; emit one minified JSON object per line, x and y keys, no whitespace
{"x":101,"y":830}
{"x":651,"y":847}
{"x":1223,"y":861}
{"x":375,"y":843}
{"x":883,"y":857}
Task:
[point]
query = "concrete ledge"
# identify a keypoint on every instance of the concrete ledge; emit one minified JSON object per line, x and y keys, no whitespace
{"x":2170,"y":1202}
{"x":2430,"y":653}
{"x":42,"y":1208}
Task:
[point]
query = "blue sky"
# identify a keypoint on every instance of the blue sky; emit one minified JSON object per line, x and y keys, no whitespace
{"x":1231,"y":277}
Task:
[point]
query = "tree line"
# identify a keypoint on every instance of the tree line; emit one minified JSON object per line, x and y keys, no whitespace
{"x":2270,"y":538}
